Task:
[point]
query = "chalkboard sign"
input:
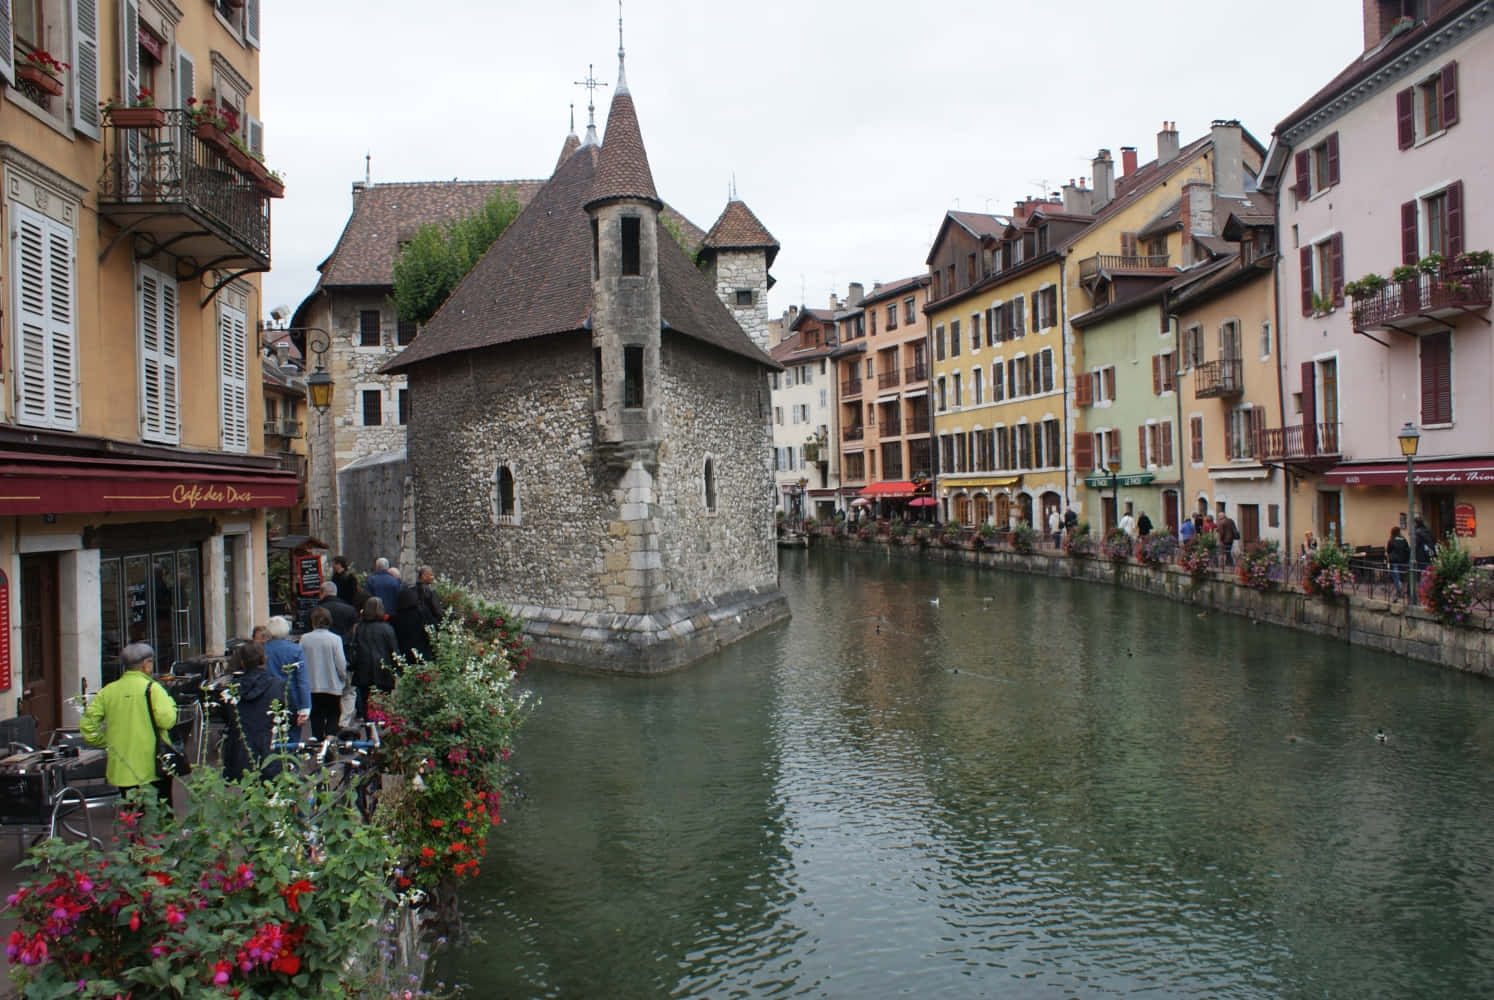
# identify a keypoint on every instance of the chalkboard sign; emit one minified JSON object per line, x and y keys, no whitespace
{"x":303,"y":613}
{"x":309,"y":576}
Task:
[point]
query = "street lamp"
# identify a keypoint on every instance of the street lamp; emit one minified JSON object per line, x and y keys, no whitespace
{"x":1410,"y":438}
{"x":319,"y":382}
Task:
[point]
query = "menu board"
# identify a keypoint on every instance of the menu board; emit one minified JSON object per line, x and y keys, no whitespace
{"x":309,"y":576}
{"x":1465,"y":525}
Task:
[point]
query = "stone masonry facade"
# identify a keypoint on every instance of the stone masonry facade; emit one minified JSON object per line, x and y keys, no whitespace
{"x":735,"y":271}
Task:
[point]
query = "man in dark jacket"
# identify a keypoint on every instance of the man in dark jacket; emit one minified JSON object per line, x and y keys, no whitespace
{"x":382,"y":584}
{"x":375,"y":649}
{"x":1227,"y":533}
{"x":346,"y":579}
{"x":344,"y":615}
{"x":1425,"y":542}
{"x":425,"y":587}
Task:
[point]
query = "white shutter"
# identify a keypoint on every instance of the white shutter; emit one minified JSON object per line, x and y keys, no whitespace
{"x":86,"y":67}
{"x":233,"y":378}
{"x":7,"y":43}
{"x":186,"y":79}
{"x":251,"y":22}
{"x":129,"y":82}
{"x":256,"y":135}
{"x":158,"y":357}
{"x":46,"y":357}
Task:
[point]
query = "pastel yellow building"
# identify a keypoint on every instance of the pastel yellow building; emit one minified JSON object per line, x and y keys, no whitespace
{"x":134,"y":478}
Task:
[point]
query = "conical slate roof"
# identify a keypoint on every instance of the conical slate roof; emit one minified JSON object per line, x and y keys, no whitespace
{"x":622,"y":170}
{"x":739,"y":229}
{"x":572,"y":143}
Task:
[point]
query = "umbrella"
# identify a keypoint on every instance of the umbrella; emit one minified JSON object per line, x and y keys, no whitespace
{"x":861,"y":502}
{"x":922,"y":502}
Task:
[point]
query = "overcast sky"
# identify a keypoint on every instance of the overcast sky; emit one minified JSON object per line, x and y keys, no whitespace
{"x":851,"y":127}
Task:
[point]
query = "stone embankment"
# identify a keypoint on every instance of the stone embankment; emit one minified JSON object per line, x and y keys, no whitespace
{"x":1388,"y":626}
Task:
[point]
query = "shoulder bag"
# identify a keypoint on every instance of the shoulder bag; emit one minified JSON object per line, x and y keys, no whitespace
{"x":170,"y":762}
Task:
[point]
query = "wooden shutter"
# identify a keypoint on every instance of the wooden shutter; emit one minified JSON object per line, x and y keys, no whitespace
{"x":1166,"y":435}
{"x":1141,"y":451}
{"x":1156,"y":374}
{"x":1450,"y":94}
{"x":1303,"y":161}
{"x":255,"y":131}
{"x":1330,"y":153}
{"x":1115,"y":449}
{"x":1304,"y":257}
{"x":1196,"y":435}
{"x":251,"y":22}
{"x":990,"y":329}
{"x":1037,"y":310}
{"x":1336,"y":255}
{"x":186,"y":79}
{"x":1309,"y":408}
{"x":1409,"y":245}
{"x":1084,"y":389}
{"x":158,"y":356}
{"x":1455,"y":220}
{"x":1257,"y":430}
{"x":1128,"y":244}
{"x":129,"y":84}
{"x":998,"y":385}
{"x":46,"y":356}
{"x":1109,"y":376}
{"x":1084,"y":452}
{"x":1048,"y":370}
{"x":1405,"y":118}
{"x":233,"y":378}
{"x":1012,"y":389}
{"x":1019,"y":318}
{"x":86,"y":67}
{"x":7,"y":43}
{"x":1436,"y":379}
{"x":1229,"y":434}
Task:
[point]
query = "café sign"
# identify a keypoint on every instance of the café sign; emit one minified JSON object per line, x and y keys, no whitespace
{"x":68,"y":490}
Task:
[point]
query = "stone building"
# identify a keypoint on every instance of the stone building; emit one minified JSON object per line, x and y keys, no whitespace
{"x":736,"y":255}
{"x":589,"y":439}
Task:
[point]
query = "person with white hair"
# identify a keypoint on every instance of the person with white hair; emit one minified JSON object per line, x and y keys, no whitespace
{"x":285,"y":661}
{"x":382,"y":584}
{"x":126,"y":717}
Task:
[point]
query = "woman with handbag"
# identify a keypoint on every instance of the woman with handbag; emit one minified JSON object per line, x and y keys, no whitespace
{"x":131,"y":717}
{"x":375,"y":649}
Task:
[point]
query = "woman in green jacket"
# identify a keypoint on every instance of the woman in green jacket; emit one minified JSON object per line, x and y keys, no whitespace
{"x":116,"y":718}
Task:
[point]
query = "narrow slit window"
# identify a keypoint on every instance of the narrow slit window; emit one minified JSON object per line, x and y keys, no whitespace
{"x":632,"y":258}
{"x":633,"y":377}
{"x":507,"y":506}
{"x":710,"y":484}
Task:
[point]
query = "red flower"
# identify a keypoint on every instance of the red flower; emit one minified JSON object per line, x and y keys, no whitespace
{"x":292,"y":894}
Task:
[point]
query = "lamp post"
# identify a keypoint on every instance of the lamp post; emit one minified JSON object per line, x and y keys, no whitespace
{"x":1409,"y":439}
{"x":319,"y":382}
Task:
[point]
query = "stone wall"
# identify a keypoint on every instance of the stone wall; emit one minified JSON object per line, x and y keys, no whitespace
{"x":375,"y":494}
{"x":739,"y":270}
{"x":1377,"y":624}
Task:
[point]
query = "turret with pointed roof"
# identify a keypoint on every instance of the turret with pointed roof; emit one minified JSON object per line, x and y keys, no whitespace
{"x":736,"y":256}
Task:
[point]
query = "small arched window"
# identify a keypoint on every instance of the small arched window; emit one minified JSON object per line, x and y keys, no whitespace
{"x":506,"y":496}
{"x":710,"y":484}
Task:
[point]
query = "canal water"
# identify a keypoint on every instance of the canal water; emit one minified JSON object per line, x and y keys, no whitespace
{"x":942,"y":782}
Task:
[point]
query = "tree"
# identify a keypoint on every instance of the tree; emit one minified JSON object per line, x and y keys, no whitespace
{"x":440,"y":255}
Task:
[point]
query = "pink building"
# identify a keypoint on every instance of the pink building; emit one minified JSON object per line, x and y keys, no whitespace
{"x":1385,"y":202}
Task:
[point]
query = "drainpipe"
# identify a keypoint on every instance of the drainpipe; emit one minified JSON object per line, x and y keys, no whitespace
{"x":1177,"y":391}
{"x":1063,"y":355}
{"x":1286,"y":473}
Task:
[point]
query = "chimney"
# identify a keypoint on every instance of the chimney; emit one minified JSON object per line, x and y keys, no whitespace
{"x":834,"y":303}
{"x":1104,"y":171}
{"x":855,"y":294}
{"x":1229,"y":166}
{"x":1167,"y":143}
{"x":1197,"y":208}
{"x":282,"y":354}
{"x":876,"y":287}
{"x":1128,"y":160}
{"x":1379,"y":18}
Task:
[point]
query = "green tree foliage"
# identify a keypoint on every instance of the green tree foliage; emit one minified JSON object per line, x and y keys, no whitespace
{"x":441,"y":255}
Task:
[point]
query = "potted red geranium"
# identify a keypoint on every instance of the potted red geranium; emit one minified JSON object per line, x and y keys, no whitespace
{"x":141,"y":112}
{"x":42,"y":71}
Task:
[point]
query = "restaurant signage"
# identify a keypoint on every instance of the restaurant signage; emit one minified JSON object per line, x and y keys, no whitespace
{"x":1104,"y":481}
{"x":1465,"y":524}
{"x":62,"y":490}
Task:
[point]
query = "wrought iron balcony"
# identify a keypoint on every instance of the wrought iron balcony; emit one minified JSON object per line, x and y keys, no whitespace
{"x":1418,"y":304}
{"x":179,"y":193}
{"x":918,"y":423}
{"x":1302,"y":444}
{"x":888,"y":380}
{"x":1091,"y":267}
{"x":1218,"y":379}
{"x":916,"y":373}
{"x":850,"y":387}
{"x":892,"y":428}
{"x":853,"y":433}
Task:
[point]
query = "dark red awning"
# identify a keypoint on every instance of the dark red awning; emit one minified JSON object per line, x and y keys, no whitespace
{"x":35,"y":484}
{"x":890,"y":490}
{"x":1432,"y":472}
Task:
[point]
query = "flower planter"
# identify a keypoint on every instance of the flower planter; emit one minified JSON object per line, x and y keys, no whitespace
{"x":213,"y":136}
{"x":40,"y":79}
{"x":271,"y":187}
{"x":137,"y":117}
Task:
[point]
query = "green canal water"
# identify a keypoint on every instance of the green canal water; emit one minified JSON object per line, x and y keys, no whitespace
{"x":941,"y":782}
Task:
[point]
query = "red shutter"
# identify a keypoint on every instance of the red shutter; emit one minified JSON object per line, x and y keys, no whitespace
{"x":1141,"y":446}
{"x":1305,"y":257}
{"x":1084,"y":452}
{"x":1084,"y":393}
{"x":1409,"y":248}
{"x":1109,"y":375}
{"x":1196,"y":435}
{"x":1309,"y":408}
{"x":1167,"y":442}
{"x":1156,"y":375}
{"x":1436,"y":379}
{"x":1332,"y":156}
{"x":1450,"y":94}
{"x":1304,"y":175}
{"x":1336,"y":254}
{"x":1115,"y":450}
{"x":1455,"y":220}
{"x":1229,"y":435}
{"x":1405,"y":119}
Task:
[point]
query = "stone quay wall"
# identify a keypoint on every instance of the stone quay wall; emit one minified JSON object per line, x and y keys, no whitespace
{"x":1412,"y":632}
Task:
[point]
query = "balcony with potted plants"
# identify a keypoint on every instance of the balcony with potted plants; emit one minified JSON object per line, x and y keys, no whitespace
{"x":181,"y":181}
{"x":1307,"y":445}
{"x":39,"y":75}
{"x":1420,"y":298}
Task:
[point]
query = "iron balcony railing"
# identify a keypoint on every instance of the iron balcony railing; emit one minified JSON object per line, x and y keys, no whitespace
{"x":1302,"y":442}
{"x":1091,"y":266}
{"x":851,"y":387}
{"x":892,"y":428}
{"x":283,"y":428}
{"x":853,"y":433}
{"x":888,"y":380}
{"x":1456,"y":287}
{"x":916,"y":373}
{"x":1218,"y":378}
{"x":171,"y":169}
{"x":918,"y":423}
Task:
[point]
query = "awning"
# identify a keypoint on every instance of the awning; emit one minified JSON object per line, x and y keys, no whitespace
{"x":1433,"y":472}
{"x":37,"y":484}
{"x":889,"y":490}
{"x":1242,"y":472}
{"x":823,"y":493}
{"x":989,"y":482}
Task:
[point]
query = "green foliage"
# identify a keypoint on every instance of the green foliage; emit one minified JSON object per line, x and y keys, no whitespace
{"x":1327,"y":570}
{"x":1198,"y":553}
{"x":1450,"y":585}
{"x":1024,"y":539}
{"x":677,"y":232}
{"x":439,"y":256}
{"x":490,"y":621}
{"x":1260,"y":564}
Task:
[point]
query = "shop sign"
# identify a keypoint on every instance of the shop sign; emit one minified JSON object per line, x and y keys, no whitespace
{"x":1465,"y":525}
{"x":5,"y":677}
{"x":309,"y":576}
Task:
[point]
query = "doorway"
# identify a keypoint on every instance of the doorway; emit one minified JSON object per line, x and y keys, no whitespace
{"x":41,"y":642}
{"x":1107,"y":515}
{"x":1330,"y":516}
{"x":1437,"y":511}
{"x":1170,"y":508}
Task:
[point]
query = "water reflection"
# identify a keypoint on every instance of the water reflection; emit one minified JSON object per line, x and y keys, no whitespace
{"x":1029,"y":788}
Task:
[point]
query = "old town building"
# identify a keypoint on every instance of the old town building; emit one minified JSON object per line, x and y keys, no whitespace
{"x":806,"y":465}
{"x":135,"y":479}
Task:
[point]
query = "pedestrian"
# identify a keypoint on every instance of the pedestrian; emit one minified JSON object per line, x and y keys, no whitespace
{"x":1227,"y":535}
{"x":1128,"y":523}
{"x":1425,"y":542}
{"x":1071,"y":520}
{"x":381,"y":583}
{"x":127,"y":717}
{"x":1186,"y":530}
{"x":1309,"y":542}
{"x":327,"y":673}
{"x":284,"y":661}
{"x":246,"y":746}
{"x":1143,"y":525}
{"x":410,"y":625}
{"x":344,"y":578}
{"x":430,"y":601}
{"x":375,"y":649}
{"x":1398,"y":557}
{"x":1055,"y":527}
{"x":344,"y":616}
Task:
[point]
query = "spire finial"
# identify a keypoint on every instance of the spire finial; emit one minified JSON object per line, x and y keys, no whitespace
{"x":367,"y":168}
{"x":591,"y":83}
{"x":622,"y":77}
{"x":733,"y":185}
{"x":573,"y":118}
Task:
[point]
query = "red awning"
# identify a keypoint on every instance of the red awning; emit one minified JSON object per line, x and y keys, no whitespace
{"x":41,"y":484}
{"x":888,"y":490}
{"x":1433,"y":472}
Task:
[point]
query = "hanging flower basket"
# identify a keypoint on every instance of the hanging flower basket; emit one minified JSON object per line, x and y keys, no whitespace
{"x":137,"y":117}
{"x":39,"y":78}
